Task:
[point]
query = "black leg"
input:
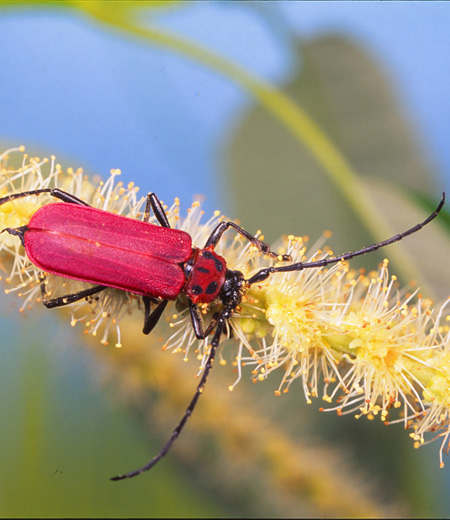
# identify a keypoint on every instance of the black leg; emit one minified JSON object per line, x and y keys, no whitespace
{"x":55,"y":192}
{"x":200,"y":387}
{"x":155,"y":204}
{"x":68,"y":298}
{"x":263,"y":274}
{"x":198,"y":324}
{"x":220,"y":229}
{"x":151,"y":319}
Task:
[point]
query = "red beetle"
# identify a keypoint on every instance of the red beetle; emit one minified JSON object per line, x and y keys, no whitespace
{"x":73,"y":240}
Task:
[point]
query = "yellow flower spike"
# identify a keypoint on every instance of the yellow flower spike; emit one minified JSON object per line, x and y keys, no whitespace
{"x":352,"y":339}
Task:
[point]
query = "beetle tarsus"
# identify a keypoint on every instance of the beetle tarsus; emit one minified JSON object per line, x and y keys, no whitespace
{"x":19,"y":231}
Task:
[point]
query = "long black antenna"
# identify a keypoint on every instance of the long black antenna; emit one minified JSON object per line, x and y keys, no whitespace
{"x":176,"y":432}
{"x":265,"y":273}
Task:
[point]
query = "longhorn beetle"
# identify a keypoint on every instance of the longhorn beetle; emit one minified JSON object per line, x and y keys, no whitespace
{"x":73,"y":240}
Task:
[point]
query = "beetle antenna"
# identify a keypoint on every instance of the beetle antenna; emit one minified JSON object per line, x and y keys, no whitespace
{"x":189,"y":410}
{"x":263,"y":274}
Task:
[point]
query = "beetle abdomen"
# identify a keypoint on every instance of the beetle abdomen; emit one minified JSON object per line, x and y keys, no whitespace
{"x":96,"y":246}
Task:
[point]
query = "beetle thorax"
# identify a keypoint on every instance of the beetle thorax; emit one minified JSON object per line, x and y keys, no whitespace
{"x":205,"y":275}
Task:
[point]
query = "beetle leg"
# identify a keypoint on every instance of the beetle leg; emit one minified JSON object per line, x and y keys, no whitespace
{"x":198,"y":323}
{"x":54,"y":192}
{"x":68,"y":298}
{"x":151,"y":319}
{"x":220,"y":229}
{"x":155,"y":204}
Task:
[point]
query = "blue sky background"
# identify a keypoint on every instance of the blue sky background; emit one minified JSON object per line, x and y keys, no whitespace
{"x":77,"y":90}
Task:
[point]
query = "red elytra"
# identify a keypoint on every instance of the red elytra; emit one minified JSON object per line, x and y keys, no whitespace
{"x":92,"y":245}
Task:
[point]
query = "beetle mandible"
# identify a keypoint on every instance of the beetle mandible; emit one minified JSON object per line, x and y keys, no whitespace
{"x":74,"y":240}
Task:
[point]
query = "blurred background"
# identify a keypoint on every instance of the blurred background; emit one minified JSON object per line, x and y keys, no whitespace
{"x":293,"y":117}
